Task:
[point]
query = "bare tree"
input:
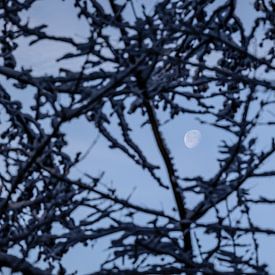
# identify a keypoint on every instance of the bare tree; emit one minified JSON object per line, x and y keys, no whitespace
{"x":180,"y":59}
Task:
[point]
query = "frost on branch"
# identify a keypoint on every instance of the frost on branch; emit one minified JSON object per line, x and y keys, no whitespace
{"x":137,"y":68}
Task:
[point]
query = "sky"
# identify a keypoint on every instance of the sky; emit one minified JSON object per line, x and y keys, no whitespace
{"x":119,"y":170}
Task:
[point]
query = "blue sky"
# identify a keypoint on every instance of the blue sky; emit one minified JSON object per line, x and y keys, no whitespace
{"x":119,"y":170}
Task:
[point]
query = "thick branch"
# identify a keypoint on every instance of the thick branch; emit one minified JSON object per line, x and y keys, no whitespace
{"x":20,"y":265}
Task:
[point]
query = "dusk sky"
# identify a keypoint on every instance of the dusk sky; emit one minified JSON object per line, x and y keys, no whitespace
{"x":118,"y":169}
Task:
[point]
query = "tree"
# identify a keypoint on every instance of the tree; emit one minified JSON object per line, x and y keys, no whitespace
{"x":179,"y":60}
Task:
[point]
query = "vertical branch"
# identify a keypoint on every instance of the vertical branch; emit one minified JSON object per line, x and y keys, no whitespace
{"x":164,"y":151}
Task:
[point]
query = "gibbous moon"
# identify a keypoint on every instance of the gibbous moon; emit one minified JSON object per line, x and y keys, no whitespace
{"x":192,"y":138}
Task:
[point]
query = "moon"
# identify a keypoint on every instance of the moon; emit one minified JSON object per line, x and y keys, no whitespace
{"x":192,"y":138}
